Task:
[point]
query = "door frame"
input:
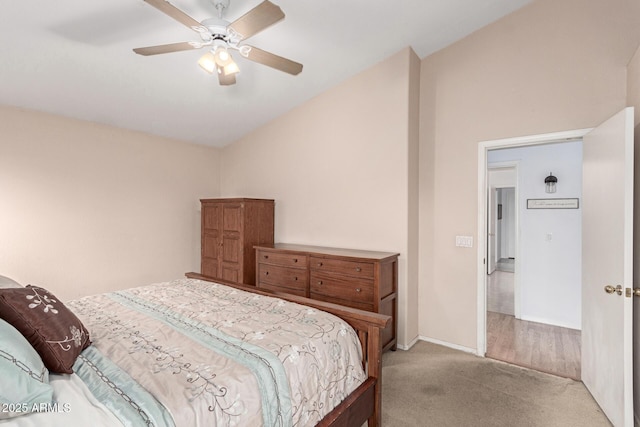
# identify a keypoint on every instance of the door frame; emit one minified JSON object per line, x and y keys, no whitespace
{"x":483,"y":148}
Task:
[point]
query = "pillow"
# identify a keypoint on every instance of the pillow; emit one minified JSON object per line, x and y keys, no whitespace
{"x":52,"y":329}
{"x":23,"y":377}
{"x":5,"y":282}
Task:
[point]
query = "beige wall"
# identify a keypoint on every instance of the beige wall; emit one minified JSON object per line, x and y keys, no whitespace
{"x":87,"y":208}
{"x":338,"y":168}
{"x":551,"y":66}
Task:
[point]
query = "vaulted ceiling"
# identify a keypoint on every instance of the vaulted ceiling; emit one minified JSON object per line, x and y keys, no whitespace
{"x":74,"y":58}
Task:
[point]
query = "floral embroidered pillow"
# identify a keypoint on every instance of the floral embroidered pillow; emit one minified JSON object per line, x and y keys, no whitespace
{"x":51,"y":328}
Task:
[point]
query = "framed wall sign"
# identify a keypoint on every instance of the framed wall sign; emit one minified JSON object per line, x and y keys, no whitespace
{"x":553,"y":203}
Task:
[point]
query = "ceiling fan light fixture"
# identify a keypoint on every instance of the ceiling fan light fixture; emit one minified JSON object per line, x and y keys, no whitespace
{"x":207,"y":62}
{"x":222,"y":56}
{"x":231,"y":68}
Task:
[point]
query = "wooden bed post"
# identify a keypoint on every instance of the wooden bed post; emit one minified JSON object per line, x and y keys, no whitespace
{"x":374,"y":369}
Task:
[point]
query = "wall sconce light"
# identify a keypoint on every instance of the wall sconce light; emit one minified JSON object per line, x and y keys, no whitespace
{"x":550,"y":183}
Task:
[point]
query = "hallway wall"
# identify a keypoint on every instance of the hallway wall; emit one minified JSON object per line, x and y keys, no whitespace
{"x":550,"y":240}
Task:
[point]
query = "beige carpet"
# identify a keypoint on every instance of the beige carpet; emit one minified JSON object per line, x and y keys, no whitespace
{"x":431,"y":385}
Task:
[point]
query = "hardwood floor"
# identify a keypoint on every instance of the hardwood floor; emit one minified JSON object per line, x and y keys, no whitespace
{"x":506,"y":264}
{"x":500,"y":292}
{"x":539,"y":346}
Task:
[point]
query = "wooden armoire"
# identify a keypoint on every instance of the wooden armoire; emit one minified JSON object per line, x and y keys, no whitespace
{"x":230,"y":230}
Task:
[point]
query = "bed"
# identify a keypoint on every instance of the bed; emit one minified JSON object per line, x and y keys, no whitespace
{"x":188,"y":352}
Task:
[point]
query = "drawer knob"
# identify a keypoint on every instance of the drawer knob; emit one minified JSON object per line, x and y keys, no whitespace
{"x":295,"y":278}
{"x":319,"y":264}
{"x":266,"y":273}
{"x":358,"y":269}
{"x":358,"y":290}
{"x":319,"y":282}
{"x":295,"y":260}
{"x":266,"y":256}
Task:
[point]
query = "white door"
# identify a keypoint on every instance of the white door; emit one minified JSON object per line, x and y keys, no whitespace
{"x":607,"y":260}
{"x":491,"y":230}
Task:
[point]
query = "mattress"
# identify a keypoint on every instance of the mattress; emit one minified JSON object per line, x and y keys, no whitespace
{"x":195,"y":353}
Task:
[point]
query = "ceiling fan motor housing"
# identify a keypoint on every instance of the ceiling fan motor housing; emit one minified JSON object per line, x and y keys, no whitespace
{"x":217,"y":30}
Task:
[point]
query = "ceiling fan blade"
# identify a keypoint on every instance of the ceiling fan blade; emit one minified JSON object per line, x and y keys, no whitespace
{"x":257,"y":19}
{"x":165,"y":48}
{"x":169,"y":9}
{"x":226,"y":79}
{"x":274,"y":61}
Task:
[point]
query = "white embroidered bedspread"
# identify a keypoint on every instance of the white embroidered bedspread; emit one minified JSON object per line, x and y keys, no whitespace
{"x":213,"y":355}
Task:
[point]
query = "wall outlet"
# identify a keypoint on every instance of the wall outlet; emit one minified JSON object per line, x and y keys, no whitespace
{"x":464,"y":241}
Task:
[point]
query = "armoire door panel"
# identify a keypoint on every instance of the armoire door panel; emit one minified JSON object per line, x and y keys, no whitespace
{"x":209,"y":268}
{"x":232,"y":218}
{"x":230,"y":274}
{"x":211,"y":217}
{"x":210,"y":246}
{"x":231,"y":250}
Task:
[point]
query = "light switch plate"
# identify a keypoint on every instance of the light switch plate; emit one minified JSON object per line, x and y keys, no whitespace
{"x":464,"y":241}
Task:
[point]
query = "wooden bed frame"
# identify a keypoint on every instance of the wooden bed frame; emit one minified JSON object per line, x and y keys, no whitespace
{"x":365,"y":403}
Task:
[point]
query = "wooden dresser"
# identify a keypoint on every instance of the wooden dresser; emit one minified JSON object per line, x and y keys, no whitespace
{"x":360,"y":279}
{"x":230,"y":228}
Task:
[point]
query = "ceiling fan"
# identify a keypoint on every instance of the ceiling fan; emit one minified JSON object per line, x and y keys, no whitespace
{"x":223,"y":36}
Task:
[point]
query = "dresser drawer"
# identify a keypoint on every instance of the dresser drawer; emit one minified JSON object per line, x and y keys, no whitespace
{"x":292,"y":278}
{"x":351,"y":303}
{"x":350,"y":268}
{"x":280,"y":258}
{"x":343,"y":288}
{"x":274,"y":288}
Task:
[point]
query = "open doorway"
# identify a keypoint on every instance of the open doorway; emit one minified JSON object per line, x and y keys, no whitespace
{"x":501,"y":242}
{"x":606,"y":217}
{"x":533,"y":299}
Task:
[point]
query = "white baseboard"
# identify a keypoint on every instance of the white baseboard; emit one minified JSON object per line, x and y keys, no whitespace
{"x":439,"y":342}
{"x":408,"y":346}
{"x":549,"y":322}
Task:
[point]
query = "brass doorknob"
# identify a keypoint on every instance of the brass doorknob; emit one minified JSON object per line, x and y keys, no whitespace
{"x":610,"y":289}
